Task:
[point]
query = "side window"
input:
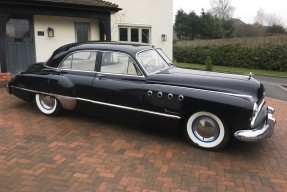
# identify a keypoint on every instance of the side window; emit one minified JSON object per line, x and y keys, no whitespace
{"x":118,"y":63}
{"x":84,"y":61}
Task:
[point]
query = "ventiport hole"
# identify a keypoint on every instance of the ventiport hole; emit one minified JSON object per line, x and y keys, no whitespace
{"x":180,"y":97}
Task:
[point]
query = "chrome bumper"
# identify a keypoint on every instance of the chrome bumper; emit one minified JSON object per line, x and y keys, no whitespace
{"x":258,"y":133}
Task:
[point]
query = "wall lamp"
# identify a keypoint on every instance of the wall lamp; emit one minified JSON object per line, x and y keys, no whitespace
{"x":50,"y":32}
{"x":163,"y":37}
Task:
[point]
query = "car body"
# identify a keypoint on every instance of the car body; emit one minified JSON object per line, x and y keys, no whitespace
{"x":140,"y":79}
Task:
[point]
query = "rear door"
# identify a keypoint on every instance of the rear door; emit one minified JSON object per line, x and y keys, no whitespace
{"x":74,"y":77}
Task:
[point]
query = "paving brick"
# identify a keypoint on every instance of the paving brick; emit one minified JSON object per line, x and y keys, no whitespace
{"x":77,"y":152}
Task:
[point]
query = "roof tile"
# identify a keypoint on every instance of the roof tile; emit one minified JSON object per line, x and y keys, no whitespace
{"x":97,"y":3}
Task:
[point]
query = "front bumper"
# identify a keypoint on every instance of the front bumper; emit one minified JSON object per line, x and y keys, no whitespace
{"x":264,"y":131}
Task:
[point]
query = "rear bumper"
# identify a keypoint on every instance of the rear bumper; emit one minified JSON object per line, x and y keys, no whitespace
{"x":258,"y":133}
{"x":8,"y":89}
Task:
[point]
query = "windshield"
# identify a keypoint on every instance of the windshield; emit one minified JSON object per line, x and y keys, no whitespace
{"x":152,"y":61}
{"x":160,"y":51}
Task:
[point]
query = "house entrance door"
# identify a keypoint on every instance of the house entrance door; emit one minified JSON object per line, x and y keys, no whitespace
{"x":19,"y":43}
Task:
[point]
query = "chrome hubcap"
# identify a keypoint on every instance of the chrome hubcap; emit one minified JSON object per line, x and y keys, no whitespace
{"x":47,"y":102}
{"x":205,"y":129}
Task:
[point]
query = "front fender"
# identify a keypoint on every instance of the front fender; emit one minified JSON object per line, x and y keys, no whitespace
{"x":234,"y":110}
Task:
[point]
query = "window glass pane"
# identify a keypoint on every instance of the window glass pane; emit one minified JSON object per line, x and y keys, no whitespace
{"x":134,"y":35}
{"x":164,"y":55}
{"x":81,"y":56}
{"x":84,"y":61}
{"x":67,"y":63}
{"x":118,"y":63}
{"x":145,"y":35}
{"x":152,"y":61}
{"x":123,"y":34}
{"x":18,"y":28}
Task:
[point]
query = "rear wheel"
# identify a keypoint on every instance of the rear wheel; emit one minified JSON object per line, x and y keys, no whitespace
{"x":48,"y":105}
{"x":206,"y":130}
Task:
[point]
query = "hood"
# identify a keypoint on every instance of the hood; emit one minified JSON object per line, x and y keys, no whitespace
{"x":221,"y":82}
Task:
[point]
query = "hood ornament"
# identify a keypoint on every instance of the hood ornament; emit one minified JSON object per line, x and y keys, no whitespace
{"x":250,"y":75}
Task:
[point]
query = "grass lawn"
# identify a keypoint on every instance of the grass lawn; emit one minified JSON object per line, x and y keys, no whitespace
{"x":235,"y":70}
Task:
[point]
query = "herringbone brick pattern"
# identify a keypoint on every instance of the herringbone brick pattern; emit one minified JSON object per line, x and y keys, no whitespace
{"x":76,"y":152}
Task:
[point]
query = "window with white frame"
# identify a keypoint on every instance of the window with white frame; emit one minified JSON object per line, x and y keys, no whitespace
{"x":134,"y":34}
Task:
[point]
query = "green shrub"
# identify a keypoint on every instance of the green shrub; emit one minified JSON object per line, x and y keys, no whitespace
{"x":208,"y":64}
{"x":263,"y":56}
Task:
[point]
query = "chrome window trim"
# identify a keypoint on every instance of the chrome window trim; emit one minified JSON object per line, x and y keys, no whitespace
{"x":118,"y":74}
{"x":66,"y":69}
{"x":102,"y":103}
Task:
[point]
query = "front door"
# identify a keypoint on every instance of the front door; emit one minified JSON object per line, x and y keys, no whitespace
{"x":19,"y":42}
{"x":119,"y":84}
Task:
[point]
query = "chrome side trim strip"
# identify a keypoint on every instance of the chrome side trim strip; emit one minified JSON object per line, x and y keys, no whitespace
{"x":68,"y":99}
{"x":130,"y":108}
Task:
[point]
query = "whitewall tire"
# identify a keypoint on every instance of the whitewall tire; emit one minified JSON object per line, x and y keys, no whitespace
{"x":206,"y":130}
{"x":48,"y":105}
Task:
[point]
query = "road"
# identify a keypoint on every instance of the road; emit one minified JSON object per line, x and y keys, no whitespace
{"x":274,"y":86}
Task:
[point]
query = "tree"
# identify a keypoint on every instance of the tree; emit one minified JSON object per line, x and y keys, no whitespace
{"x":208,"y":64}
{"x":270,"y":19}
{"x":260,"y":17}
{"x":228,"y":28}
{"x":273,"y":19}
{"x":275,"y":29}
{"x":210,"y":27}
{"x":222,"y":9}
{"x":206,"y":26}
{"x":186,"y":25}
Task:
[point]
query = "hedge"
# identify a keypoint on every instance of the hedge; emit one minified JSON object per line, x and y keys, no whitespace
{"x":264,"y":56}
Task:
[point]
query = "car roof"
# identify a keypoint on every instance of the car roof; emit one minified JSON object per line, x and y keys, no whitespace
{"x":119,"y":46}
{"x":130,"y":48}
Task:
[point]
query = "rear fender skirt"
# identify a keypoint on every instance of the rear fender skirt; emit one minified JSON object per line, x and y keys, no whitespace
{"x":68,"y":103}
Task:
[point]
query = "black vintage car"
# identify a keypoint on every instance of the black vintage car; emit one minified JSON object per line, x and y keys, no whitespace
{"x":140,"y":79}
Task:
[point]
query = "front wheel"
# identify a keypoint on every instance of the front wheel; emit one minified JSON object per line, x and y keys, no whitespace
{"x":48,"y":105}
{"x":206,"y":130}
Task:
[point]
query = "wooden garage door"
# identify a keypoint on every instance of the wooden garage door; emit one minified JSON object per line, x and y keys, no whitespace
{"x":20,"y":46}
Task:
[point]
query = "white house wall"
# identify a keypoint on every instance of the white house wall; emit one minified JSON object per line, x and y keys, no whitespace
{"x":64,"y":30}
{"x":156,"y":14}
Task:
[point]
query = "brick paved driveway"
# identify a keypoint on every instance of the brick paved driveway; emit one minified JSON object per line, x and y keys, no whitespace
{"x":79,"y":153}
